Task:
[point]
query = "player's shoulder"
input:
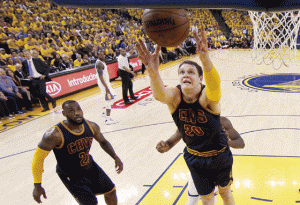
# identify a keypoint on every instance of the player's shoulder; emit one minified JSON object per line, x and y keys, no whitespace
{"x":94,"y":126}
{"x":52,"y":134}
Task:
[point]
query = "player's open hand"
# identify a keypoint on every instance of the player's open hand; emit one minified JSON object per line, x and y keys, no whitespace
{"x":162,"y":147}
{"x":119,"y":165}
{"x":37,"y":192}
{"x":202,"y":45}
{"x":151,"y":61}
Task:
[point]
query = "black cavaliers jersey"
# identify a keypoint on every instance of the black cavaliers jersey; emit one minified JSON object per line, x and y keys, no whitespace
{"x":73,"y":155}
{"x":201,"y":130}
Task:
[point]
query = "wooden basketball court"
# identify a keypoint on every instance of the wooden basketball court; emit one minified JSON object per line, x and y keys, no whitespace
{"x":262,"y":104}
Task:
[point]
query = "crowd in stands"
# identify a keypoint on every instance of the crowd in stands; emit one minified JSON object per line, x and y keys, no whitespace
{"x":67,"y":38}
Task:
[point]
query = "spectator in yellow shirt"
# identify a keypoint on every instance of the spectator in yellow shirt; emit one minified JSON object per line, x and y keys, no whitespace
{"x":78,"y":61}
{"x":29,"y":45}
{"x":30,"y":38}
{"x":217,"y":44}
{"x":55,"y":31}
{"x":45,"y":52}
{"x":21,"y":42}
{"x":3,"y":54}
{"x":12,"y":43}
{"x":10,"y":64}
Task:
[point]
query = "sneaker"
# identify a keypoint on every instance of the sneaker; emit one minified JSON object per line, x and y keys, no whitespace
{"x":110,"y":121}
{"x":135,"y":97}
{"x":103,"y":115}
{"x":45,"y":109}
{"x":128,"y":103}
{"x":22,"y":112}
{"x":11,"y":116}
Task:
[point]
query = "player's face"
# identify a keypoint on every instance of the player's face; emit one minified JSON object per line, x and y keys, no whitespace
{"x":188,"y":76}
{"x":73,"y":113}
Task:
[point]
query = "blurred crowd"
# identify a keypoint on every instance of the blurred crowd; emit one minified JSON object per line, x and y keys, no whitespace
{"x":67,"y":38}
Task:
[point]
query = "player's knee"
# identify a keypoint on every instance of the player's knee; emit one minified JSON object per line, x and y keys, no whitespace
{"x":208,"y":200}
{"x":225,"y":192}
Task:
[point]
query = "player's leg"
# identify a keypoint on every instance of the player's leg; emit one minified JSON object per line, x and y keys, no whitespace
{"x":102,"y":184}
{"x":107,"y":103}
{"x":227,"y":195}
{"x":78,"y":188}
{"x":201,"y":177}
{"x":111,"y":198}
{"x":193,"y":196}
{"x":208,"y":199}
{"x":224,"y":178}
{"x":109,"y":120}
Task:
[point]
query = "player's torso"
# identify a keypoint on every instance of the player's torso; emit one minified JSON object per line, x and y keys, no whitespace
{"x":73,"y":155}
{"x":202,"y":130}
{"x":105,"y":70}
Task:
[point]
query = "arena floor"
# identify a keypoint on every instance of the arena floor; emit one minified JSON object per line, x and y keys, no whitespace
{"x":261,"y":102}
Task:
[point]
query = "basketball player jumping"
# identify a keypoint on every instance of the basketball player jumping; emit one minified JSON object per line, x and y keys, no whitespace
{"x":107,"y":92}
{"x":196,"y":109}
{"x":71,"y":141}
{"x":234,"y":141}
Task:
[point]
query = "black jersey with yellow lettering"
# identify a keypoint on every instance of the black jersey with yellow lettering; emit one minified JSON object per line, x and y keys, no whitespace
{"x":201,"y":130}
{"x":73,"y":154}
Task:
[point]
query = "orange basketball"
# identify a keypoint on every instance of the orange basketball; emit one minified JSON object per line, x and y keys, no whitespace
{"x":166,"y":27}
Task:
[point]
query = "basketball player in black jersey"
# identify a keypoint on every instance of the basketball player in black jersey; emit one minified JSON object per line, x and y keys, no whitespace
{"x":71,"y":141}
{"x":195,"y":109}
{"x":234,"y":141}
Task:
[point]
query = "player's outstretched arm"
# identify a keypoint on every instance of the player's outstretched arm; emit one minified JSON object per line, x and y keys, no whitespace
{"x":235,"y":140}
{"x":211,"y":76}
{"x":50,"y":140}
{"x":106,"y":146}
{"x":151,"y":61}
{"x":163,"y":146}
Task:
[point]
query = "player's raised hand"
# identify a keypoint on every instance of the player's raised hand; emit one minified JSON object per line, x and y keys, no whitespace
{"x":119,"y":165}
{"x":162,"y":147}
{"x":151,"y":61}
{"x":37,"y":192}
{"x":202,"y":45}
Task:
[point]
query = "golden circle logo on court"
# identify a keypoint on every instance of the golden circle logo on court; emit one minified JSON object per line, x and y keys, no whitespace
{"x":288,"y":83}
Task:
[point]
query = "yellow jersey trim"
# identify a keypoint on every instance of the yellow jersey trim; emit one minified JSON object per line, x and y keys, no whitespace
{"x":88,"y":123}
{"x":74,"y":133}
{"x":62,"y":138}
{"x":205,"y":154}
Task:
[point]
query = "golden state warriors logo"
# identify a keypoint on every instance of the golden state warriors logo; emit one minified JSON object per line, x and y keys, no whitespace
{"x":274,"y":83}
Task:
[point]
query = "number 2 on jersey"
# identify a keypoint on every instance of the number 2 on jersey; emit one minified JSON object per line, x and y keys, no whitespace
{"x":85,"y":159}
